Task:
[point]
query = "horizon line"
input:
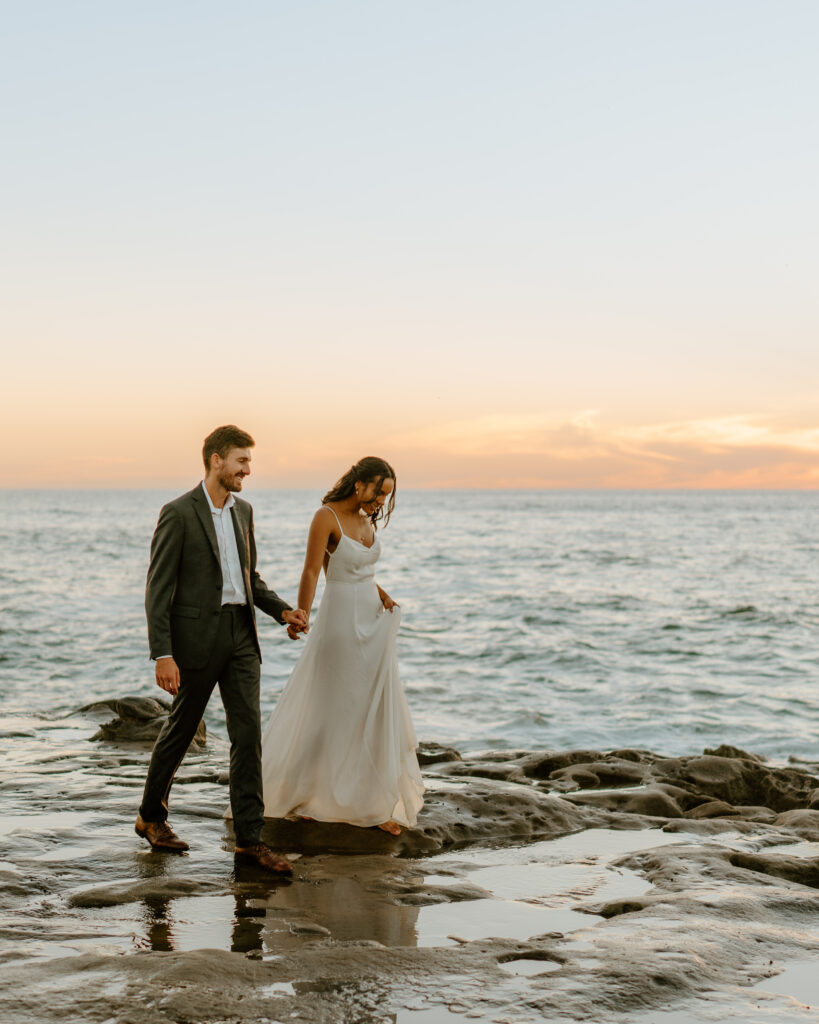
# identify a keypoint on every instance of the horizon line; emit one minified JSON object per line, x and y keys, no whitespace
{"x":431,"y":487}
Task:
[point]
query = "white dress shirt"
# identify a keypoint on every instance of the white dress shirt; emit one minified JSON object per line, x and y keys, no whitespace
{"x":233,"y":586}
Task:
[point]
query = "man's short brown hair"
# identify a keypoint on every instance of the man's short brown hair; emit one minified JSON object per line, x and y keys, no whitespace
{"x":221,"y":440}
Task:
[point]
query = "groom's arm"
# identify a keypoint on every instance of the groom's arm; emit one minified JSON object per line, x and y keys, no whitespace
{"x":263,"y":597}
{"x":166,"y":552}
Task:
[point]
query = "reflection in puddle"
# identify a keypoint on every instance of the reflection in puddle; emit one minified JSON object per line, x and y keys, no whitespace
{"x":195,"y":922}
{"x":347,"y":908}
{"x":535,"y":890}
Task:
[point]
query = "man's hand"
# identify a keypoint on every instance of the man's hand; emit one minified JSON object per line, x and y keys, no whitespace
{"x":167,"y":675}
{"x":296,"y":622}
{"x":388,"y":602}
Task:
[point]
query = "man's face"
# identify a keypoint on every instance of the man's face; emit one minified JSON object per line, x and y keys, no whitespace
{"x":233,"y":468}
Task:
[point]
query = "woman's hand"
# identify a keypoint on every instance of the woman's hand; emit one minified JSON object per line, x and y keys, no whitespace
{"x":296,"y":622}
{"x":388,"y":602}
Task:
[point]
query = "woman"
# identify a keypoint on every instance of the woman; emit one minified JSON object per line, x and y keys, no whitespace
{"x":340,"y":745}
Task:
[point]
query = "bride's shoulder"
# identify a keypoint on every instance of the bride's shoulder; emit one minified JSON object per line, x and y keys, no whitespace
{"x":325,"y":516}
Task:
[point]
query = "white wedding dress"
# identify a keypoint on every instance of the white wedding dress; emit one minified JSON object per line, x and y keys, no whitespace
{"x":340,"y":744}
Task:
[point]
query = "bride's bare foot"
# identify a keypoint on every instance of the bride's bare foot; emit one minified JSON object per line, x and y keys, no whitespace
{"x":303,"y":817}
{"x":392,"y":827}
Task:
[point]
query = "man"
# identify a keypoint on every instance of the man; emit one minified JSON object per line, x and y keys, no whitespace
{"x":200,"y":599}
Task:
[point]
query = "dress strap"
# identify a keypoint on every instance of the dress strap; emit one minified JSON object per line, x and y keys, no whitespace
{"x":334,"y":513}
{"x":340,"y":530}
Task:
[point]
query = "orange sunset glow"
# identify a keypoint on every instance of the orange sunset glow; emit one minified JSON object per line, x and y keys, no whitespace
{"x":581,"y":270}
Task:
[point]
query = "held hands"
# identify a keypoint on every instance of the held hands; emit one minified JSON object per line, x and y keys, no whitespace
{"x":167,"y":675}
{"x":296,"y":622}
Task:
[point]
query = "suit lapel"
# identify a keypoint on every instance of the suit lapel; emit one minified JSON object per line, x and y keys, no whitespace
{"x":240,"y":529}
{"x":206,"y":519}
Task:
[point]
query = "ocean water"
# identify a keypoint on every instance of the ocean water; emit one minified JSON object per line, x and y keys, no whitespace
{"x":670,"y":621}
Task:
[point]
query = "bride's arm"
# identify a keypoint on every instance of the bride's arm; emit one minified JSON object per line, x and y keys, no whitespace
{"x":321,"y":530}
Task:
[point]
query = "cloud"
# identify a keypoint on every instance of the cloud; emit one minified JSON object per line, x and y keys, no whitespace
{"x":538,"y":451}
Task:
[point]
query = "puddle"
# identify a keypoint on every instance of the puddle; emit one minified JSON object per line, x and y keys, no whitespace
{"x":536,"y":882}
{"x":640,"y":787}
{"x":480,"y":919}
{"x":535,"y":890}
{"x":109,"y":945}
{"x":804,"y":850}
{"x":193,"y":922}
{"x":594,"y":844}
{"x":346,"y":907}
{"x":43,"y":822}
{"x":279,"y":988}
{"x":799,"y":980}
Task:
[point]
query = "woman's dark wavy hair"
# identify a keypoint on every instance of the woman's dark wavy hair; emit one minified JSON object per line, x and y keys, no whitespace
{"x":370,"y":469}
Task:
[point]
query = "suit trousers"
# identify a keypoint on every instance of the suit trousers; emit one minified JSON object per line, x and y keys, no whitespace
{"x":234,"y":665}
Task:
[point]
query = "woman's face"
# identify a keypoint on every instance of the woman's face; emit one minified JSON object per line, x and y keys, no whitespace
{"x":372,"y":495}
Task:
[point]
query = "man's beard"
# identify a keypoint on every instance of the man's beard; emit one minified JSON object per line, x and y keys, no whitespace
{"x":230,"y":483}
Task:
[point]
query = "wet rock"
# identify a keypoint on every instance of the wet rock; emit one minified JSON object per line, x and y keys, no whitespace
{"x":505,"y":771}
{"x":139,"y":720}
{"x":615,"y":908}
{"x":764,"y":815}
{"x":575,"y":777}
{"x":308,"y":928}
{"x":434,"y":753}
{"x":117,"y":893}
{"x":429,"y":895}
{"x":633,"y":755}
{"x":712,"y":809}
{"x":540,"y":765}
{"x":725,"y":750}
{"x":705,"y":920}
{"x":741,"y":781}
{"x":803,"y":870}
{"x":651,"y":802}
{"x":804,"y":822}
{"x":616,"y":771}
{"x":455,"y":812}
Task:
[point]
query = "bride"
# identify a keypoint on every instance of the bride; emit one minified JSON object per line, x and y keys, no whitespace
{"x":340,"y":744}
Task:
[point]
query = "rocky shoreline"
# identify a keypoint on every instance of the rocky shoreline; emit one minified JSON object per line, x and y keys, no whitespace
{"x":539,"y":885}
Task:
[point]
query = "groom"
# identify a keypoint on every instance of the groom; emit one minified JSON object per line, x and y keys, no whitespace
{"x":201,"y":599}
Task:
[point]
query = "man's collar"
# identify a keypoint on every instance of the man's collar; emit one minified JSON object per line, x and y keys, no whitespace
{"x":231,"y":500}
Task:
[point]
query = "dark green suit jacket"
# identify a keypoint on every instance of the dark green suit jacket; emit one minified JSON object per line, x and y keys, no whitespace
{"x":183,"y":595}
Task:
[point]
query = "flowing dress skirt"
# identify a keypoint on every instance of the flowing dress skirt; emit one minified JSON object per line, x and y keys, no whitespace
{"x":340,"y":744}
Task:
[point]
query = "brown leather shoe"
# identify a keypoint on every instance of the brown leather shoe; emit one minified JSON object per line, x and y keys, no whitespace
{"x":160,"y":835}
{"x":265,"y":858}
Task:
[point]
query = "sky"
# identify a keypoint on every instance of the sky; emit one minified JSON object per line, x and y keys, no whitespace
{"x":529,"y":243}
